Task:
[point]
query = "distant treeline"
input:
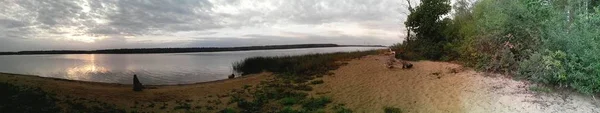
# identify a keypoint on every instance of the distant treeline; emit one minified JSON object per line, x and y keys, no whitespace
{"x":181,"y":50}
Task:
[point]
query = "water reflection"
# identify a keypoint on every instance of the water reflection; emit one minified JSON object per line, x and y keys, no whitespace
{"x":83,"y":72}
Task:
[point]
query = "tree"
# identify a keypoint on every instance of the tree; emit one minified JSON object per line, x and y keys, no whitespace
{"x":427,"y":22}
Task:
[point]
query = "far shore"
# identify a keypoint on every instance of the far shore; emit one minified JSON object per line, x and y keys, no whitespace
{"x":181,"y":50}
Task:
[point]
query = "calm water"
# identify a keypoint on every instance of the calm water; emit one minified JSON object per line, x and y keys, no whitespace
{"x":172,"y":68}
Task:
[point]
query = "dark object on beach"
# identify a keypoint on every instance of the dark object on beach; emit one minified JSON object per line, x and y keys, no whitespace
{"x":231,"y":76}
{"x":406,"y":65}
{"x":137,"y":85}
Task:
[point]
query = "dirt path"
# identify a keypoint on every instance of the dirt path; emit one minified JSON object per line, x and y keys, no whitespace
{"x":365,"y":85}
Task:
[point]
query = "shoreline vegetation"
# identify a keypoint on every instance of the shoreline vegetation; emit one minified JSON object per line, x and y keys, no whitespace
{"x":181,"y":50}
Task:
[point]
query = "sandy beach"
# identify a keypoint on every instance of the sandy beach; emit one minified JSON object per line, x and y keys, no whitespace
{"x":363,"y":85}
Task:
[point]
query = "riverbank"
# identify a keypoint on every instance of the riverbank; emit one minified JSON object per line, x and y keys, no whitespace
{"x":361,"y":85}
{"x":167,"y":98}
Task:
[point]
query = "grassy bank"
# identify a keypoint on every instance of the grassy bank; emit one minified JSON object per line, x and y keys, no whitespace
{"x":301,"y":68}
{"x":287,"y":92}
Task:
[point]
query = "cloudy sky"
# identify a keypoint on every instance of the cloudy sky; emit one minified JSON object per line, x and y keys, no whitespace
{"x":103,"y":24}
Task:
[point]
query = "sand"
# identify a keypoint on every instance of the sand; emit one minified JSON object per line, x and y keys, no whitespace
{"x":122,"y":95}
{"x":365,"y":85}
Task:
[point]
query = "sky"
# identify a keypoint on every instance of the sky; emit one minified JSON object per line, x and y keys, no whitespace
{"x":110,"y":24}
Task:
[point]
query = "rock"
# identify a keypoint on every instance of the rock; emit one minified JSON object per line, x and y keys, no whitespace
{"x":407,"y":65}
{"x":137,"y":85}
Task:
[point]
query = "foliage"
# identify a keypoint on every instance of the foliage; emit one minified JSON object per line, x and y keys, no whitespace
{"x":228,"y":110}
{"x":313,"y":104}
{"x":296,"y":66}
{"x":554,"y":42}
{"x":425,"y":20}
{"x":392,"y":110}
{"x":24,"y":99}
{"x":317,"y":82}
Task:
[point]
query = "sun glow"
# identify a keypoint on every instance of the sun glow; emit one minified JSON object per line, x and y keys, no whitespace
{"x":82,"y":72}
{"x":84,"y":38}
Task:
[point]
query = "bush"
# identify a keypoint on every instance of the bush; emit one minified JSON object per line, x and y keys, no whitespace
{"x":288,"y":101}
{"x":313,"y":104}
{"x":317,"y":82}
{"x":228,"y":110}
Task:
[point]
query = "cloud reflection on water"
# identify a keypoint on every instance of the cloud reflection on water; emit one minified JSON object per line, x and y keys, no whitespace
{"x":84,"y":72}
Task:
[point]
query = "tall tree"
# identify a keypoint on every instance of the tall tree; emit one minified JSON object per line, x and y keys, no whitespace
{"x":427,"y":22}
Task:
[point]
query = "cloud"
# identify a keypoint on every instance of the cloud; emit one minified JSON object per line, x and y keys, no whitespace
{"x":106,"y":23}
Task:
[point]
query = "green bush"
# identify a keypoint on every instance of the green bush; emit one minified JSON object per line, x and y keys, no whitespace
{"x":228,"y":110}
{"x":313,"y":104}
{"x":317,"y":82}
{"x":288,"y":101}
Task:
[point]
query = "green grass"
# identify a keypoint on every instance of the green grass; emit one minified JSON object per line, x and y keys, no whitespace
{"x":288,"y":101}
{"x":316,"y":103}
{"x":303,"y":65}
{"x":392,"y":110}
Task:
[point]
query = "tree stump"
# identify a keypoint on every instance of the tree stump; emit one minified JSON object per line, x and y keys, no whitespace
{"x":231,"y":76}
{"x":137,"y":85}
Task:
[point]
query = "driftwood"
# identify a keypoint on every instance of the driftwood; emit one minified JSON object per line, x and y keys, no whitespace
{"x":231,"y":76}
{"x":392,"y":61}
{"x":137,"y":85}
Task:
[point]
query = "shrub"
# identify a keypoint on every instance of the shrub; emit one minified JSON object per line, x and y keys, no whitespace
{"x":288,"y":101}
{"x":228,"y":110}
{"x":316,"y":103}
